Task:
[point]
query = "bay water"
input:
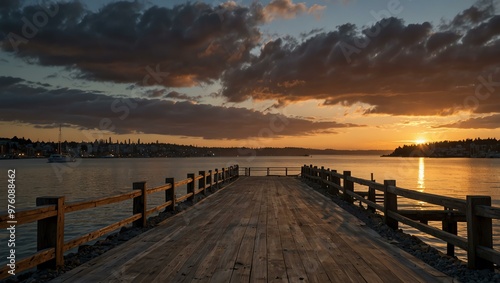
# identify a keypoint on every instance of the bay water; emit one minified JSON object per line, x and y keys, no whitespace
{"x":95,"y":178}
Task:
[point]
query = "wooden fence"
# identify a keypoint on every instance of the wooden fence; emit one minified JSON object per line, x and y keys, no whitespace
{"x":270,"y":171}
{"x":51,"y":211}
{"x":476,"y":211}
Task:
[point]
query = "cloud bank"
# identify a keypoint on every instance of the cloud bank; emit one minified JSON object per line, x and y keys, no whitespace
{"x":399,"y":68}
{"x":21,"y":101}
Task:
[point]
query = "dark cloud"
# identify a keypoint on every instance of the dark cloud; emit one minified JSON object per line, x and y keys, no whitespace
{"x":441,"y":40}
{"x":181,"y":96}
{"x":185,"y":45}
{"x":397,"y":68}
{"x":482,"y":10}
{"x":484,"y":32}
{"x":8,"y":81}
{"x":489,"y":122}
{"x":88,"y":110}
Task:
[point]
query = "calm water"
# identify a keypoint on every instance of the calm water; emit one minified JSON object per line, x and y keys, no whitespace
{"x":92,"y":178}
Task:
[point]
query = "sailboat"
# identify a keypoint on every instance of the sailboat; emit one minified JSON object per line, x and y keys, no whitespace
{"x":59,"y":157}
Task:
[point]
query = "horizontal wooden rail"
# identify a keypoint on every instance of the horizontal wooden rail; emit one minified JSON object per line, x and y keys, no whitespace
{"x":30,"y":262}
{"x":476,"y":211}
{"x":81,"y":205}
{"x":269,"y":170}
{"x":445,"y":236}
{"x":488,"y":211}
{"x":51,"y":212}
{"x":369,"y":183}
{"x":159,"y":189}
{"x":430,"y":198}
{"x":25,"y":216}
{"x":434,"y":215}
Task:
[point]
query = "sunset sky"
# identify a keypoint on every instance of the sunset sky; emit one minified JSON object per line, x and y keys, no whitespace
{"x":322,"y":74}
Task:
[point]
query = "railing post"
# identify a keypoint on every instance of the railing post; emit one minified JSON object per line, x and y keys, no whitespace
{"x":210,"y":181}
{"x":237,"y":170}
{"x":372,"y":195}
{"x":315,"y":174}
{"x":479,"y":232}
{"x":286,"y":171}
{"x":140,"y":204}
{"x":50,"y":231}
{"x":202,"y":183}
{"x":329,"y":178}
{"x":267,"y":171}
{"x":170,"y":194}
{"x":216,"y":179}
{"x":348,"y":186}
{"x":249,"y":168}
{"x":323,"y":178}
{"x":190,"y":188}
{"x":449,"y":226}
{"x":336,"y":181}
{"x":390,"y":204}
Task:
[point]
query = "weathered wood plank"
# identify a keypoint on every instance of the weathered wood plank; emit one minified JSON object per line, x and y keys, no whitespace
{"x":81,"y":205}
{"x":243,"y":263}
{"x":259,"y":260}
{"x":231,"y":241}
{"x":29,"y":262}
{"x":28,"y":215}
{"x":276,"y":270}
{"x":190,"y":249}
{"x":257,"y":229}
{"x":294,"y":266}
{"x":430,"y":198}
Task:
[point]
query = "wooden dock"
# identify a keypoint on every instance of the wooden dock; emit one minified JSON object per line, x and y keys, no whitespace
{"x":258,"y":229}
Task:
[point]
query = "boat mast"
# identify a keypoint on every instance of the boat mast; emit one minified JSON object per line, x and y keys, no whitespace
{"x":60,"y":135}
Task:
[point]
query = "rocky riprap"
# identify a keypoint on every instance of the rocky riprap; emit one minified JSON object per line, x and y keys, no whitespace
{"x":451,"y":266}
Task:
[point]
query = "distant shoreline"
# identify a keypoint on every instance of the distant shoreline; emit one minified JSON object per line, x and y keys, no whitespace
{"x":352,"y":153}
{"x":437,"y":157}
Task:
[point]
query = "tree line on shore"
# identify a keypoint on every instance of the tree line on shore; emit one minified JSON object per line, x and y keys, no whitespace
{"x":25,"y":148}
{"x":480,"y":148}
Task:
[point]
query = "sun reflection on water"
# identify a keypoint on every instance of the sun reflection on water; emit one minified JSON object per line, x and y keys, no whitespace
{"x":421,"y":179}
{"x":421,"y":174}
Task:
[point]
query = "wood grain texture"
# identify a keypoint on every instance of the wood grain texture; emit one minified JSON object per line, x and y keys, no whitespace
{"x":258,"y":229}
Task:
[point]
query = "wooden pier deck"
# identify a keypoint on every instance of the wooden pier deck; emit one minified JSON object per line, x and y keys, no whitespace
{"x":258,"y":229}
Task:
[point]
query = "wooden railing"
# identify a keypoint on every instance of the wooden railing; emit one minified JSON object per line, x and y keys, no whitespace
{"x":270,"y":171}
{"x":51,"y":211}
{"x":476,"y":211}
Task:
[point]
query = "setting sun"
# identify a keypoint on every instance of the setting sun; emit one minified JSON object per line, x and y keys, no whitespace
{"x":420,"y":141}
